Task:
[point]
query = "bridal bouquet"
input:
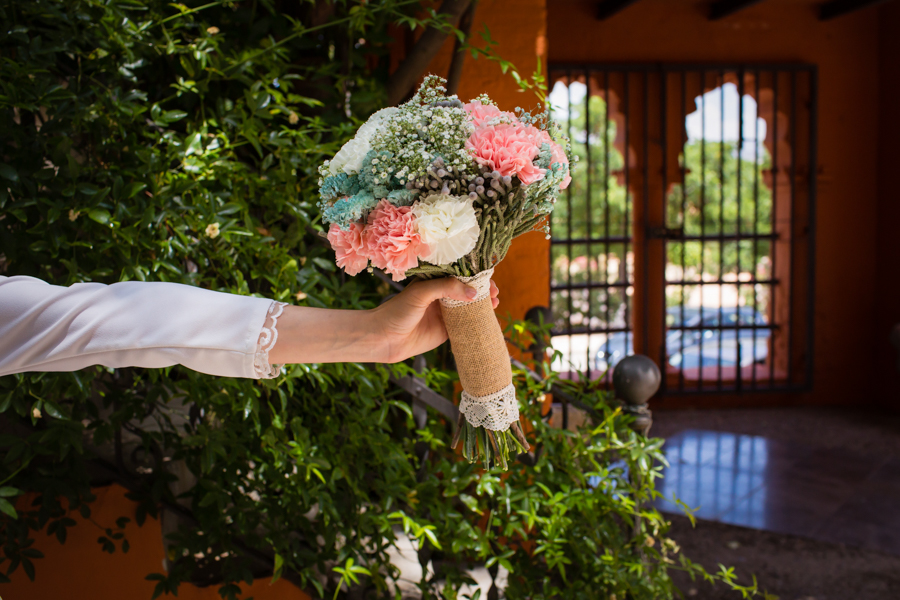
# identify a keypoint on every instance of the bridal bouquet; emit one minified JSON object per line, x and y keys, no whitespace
{"x":438,"y":188}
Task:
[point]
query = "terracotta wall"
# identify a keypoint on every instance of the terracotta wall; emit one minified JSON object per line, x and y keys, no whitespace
{"x":887,"y":283}
{"x":846,"y":51}
{"x":519,"y":28}
{"x":79,"y":569}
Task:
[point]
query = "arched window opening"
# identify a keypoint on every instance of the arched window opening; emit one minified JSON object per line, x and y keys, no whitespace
{"x":687,"y":233}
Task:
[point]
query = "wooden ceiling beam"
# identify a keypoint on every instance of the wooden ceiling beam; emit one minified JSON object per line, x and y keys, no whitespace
{"x":838,"y":8}
{"x":608,"y":8}
{"x":724,"y":8}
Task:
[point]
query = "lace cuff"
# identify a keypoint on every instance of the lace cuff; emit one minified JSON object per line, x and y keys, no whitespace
{"x":267,"y":338}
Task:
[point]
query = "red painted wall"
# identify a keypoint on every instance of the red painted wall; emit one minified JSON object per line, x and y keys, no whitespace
{"x":847,"y":51}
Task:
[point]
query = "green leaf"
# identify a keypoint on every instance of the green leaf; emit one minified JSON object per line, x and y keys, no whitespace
{"x":9,"y":492}
{"x":193,"y":145}
{"x":279,"y":564}
{"x":134,"y":188}
{"x":100,"y":215}
{"x":8,"y":509}
{"x":260,"y":100}
{"x":173,"y":115}
{"x":7,"y":172}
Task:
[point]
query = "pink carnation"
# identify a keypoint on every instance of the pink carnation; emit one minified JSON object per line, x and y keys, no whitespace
{"x":350,"y":248}
{"x":509,"y":149}
{"x":391,"y":239}
{"x":480,"y":113}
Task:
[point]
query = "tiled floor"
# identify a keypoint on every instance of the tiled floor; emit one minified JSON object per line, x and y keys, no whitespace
{"x":822,"y":494}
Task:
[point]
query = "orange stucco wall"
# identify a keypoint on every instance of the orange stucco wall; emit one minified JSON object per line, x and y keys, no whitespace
{"x":519,"y":28}
{"x":80,"y":570}
{"x":846,"y":51}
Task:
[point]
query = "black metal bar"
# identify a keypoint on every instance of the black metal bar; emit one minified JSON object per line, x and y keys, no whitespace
{"x":663,"y":109}
{"x":837,"y":8}
{"x":606,"y":197}
{"x":645,"y":202}
{"x":611,"y":239}
{"x":675,"y":282}
{"x":774,"y":223}
{"x":813,"y":188}
{"x":569,"y":216}
{"x":720,"y":282}
{"x":755,"y":216}
{"x":586,"y":286}
{"x":590,"y":212}
{"x":724,"y":8}
{"x":721,"y":327}
{"x":683,"y":115}
{"x":740,"y":164}
{"x":721,"y":215}
{"x":608,"y":8}
{"x":728,"y":238}
{"x":579,"y":329}
{"x":702,"y":202}
{"x":628,"y":230}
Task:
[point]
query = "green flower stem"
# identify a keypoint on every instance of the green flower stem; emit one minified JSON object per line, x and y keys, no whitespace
{"x":470,"y":444}
{"x":493,"y":448}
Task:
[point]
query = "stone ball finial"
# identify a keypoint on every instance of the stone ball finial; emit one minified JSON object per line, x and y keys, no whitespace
{"x":635,"y":379}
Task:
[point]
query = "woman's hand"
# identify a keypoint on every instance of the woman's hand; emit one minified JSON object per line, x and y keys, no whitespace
{"x":411,"y":322}
{"x":406,"y":325}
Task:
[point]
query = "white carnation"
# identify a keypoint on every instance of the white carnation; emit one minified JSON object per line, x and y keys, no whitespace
{"x":447,"y":224}
{"x":350,"y":157}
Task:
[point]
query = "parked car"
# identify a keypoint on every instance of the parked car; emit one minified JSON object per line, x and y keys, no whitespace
{"x":696,"y":346}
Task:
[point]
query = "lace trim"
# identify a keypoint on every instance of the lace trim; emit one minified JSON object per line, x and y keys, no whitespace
{"x":480,"y":281}
{"x":495,"y":411}
{"x":267,"y":338}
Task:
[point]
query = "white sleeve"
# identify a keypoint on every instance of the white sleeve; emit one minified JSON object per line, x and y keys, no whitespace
{"x":45,"y":327}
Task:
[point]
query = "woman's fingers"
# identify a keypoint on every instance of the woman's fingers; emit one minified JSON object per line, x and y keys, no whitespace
{"x":425,"y":292}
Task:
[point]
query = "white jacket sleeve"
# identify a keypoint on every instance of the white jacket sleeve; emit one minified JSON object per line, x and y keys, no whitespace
{"x":45,"y":327}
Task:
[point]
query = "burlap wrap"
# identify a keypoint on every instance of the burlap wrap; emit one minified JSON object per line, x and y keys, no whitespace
{"x":482,"y":360}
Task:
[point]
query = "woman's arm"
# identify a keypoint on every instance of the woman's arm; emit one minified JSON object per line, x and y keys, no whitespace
{"x":45,"y":327}
{"x":404,"y":326}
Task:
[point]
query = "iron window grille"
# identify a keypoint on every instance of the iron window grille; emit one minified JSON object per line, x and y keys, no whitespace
{"x":688,"y":233}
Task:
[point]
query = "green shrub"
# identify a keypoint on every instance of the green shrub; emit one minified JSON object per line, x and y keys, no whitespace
{"x":126,"y":129}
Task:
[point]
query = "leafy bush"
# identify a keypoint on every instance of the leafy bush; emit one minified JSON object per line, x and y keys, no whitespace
{"x":128,"y":132}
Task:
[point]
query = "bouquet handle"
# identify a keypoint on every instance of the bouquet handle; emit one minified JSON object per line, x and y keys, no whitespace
{"x":482,"y":359}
